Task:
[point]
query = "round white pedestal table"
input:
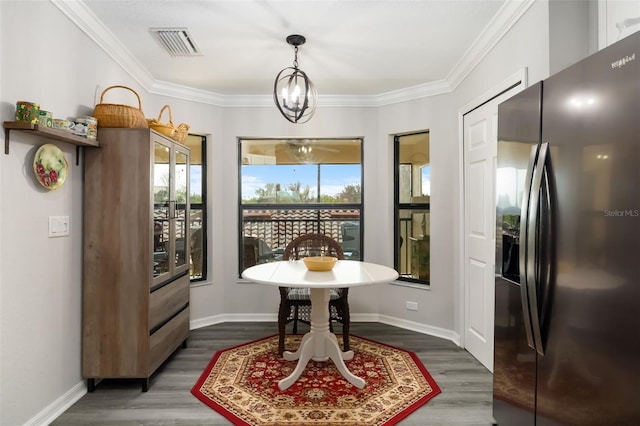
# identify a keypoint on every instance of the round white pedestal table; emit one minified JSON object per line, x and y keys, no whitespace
{"x":319,"y":343}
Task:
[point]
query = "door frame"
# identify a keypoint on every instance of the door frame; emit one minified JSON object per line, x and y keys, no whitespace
{"x":516,"y":80}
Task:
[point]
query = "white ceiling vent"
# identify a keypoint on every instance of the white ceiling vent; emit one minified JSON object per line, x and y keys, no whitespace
{"x":177,"y":41}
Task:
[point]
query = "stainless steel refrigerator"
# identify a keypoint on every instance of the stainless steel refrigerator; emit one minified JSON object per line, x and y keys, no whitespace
{"x":567,"y":318}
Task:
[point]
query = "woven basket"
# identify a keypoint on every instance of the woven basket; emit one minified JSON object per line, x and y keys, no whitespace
{"x":119,"y":116}
{"x":181,"y":133}
{"x":157,"y":125}
{"x":177,"y":133}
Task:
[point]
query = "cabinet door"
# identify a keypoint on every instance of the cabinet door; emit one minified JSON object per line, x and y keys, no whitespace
{"x":180,"y":207}
{"x":162,"y":226}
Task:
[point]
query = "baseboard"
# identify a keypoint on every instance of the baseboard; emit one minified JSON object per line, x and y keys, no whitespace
{"x":421,"y":328}
{"x":219,"y":319}
{"x":59,"y":406}
{"x":396,"y":322}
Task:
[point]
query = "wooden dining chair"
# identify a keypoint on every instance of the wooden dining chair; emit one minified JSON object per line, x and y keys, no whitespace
{"x":295,"y":302}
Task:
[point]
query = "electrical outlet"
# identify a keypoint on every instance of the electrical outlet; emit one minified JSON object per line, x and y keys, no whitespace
{"x":412,"y":306}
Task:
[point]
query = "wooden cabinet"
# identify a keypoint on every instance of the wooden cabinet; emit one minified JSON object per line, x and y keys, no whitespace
{"x":136,"y":241}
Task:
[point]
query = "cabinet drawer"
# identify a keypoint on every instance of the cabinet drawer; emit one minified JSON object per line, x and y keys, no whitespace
{"x":167,"y":339}
{"x":168,"y":300}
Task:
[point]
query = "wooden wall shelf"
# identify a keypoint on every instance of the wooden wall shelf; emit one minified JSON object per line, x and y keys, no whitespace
{"x":45,"y":132}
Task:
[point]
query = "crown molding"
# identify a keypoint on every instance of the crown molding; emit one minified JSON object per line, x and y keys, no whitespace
{"x":85,"y":19}
{"x":510,"y":12}
{"x":89,"y":23}
{"x":159,"y":87}
{"x":414,"y":92}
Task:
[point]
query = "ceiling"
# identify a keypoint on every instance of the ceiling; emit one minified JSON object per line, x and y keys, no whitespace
{"x":367,"y":49}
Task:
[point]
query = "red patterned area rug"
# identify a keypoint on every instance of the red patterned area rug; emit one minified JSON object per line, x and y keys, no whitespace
{"x":241,"y":383}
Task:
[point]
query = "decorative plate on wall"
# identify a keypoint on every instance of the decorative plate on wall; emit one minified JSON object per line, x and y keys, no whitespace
{"x":50,"y":166}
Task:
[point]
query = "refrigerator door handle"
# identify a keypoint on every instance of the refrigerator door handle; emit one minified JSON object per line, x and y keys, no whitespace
{"x":524,"y":238}
{"x":534,"y":269}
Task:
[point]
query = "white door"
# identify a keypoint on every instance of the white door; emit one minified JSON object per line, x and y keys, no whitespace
{"x":480,"y":151}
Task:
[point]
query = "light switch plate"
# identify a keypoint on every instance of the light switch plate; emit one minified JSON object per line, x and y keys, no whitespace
{"x":58,"y":226}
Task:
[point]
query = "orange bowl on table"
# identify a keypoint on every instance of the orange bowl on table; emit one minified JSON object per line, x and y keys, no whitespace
{"x":319,"y":263}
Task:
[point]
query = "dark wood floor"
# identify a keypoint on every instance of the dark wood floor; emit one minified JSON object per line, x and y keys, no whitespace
{"x":465,"y":399}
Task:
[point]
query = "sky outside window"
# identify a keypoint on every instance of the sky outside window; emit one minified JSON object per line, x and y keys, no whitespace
{"x":333,"y":178}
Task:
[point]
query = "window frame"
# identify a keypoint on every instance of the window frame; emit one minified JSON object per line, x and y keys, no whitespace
{"x":398,"y":207}
{"x":310,"y":207}
{"x":202,"y":206}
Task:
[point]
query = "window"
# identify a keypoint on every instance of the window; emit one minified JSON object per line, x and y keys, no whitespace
{"x":412,"y":194}
{"x":198,"y":199}
{"x":297,"y":186}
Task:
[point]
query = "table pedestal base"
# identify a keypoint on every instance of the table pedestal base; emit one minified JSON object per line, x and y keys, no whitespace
{"x":319,"y":344}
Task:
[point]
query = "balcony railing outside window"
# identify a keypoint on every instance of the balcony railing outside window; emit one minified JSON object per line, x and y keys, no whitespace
{"x":267,"y":232}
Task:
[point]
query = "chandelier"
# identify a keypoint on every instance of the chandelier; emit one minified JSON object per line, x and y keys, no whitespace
{"x":293,"y":92}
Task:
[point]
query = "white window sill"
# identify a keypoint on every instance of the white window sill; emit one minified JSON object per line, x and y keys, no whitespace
{"x":411,"y":285}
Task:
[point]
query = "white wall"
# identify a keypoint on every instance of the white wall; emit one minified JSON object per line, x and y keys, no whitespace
{"x":40,"y":278}
{"x":575,"y":17}
{"x":48,"y":60}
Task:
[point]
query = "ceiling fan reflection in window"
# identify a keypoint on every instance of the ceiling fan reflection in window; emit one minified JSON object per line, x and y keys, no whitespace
{"x":307,"y":150}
